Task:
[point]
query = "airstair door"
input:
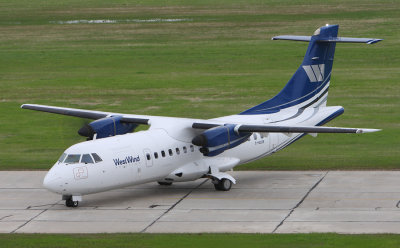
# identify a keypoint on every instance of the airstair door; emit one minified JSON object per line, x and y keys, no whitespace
{"x":148,"y":157}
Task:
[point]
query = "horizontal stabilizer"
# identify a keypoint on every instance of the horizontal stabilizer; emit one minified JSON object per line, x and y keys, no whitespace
{"x":292,"y":37}
{"x":331,"y":39}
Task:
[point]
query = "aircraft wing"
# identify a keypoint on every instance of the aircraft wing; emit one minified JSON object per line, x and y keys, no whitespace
{"x":287,"y":129}
{"x":83,"y":113}
{"x":196,"y":124}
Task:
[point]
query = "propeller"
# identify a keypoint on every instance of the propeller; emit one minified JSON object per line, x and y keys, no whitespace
{"x":86,"y":130}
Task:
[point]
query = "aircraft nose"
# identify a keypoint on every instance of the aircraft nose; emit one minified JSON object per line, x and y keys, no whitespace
{"x":52,"y":182}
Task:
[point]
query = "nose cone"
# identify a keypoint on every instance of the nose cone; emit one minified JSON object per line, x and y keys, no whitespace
{"x":52,"y":182}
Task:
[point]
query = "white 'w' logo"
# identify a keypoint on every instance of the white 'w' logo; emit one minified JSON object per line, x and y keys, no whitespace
{"x":315,"y":72}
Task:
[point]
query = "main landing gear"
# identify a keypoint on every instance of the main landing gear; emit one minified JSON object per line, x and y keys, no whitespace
{"x":71,"y":201}
{"x":222,"y":185}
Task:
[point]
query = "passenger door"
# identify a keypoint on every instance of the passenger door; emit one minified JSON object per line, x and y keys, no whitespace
{"x":148,"y":157}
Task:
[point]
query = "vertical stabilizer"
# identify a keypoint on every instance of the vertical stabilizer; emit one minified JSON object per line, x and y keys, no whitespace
{"x":309,"y":84}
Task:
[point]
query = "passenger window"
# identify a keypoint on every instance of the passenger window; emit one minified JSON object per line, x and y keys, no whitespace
{"x":177,"y":151}
{"x":62,"y":158}
{"x":191,"y":148}
{"x":170,"y":152}
{"x":148,"y":156}
{"x":72,"y":159}
{"x":155,"y":155}
{"x":87,"y":159}
{"x":163,"y":153}
{"x":184,"y":149}
{"x":96,"y":158}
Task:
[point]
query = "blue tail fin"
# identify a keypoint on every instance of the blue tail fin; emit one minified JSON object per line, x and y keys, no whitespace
{"x":310,"y":82}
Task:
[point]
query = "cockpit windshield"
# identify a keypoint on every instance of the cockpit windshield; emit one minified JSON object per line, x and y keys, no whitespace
{"x":62,"y":157}
{"x":72,"y":159}
{"x":87,"y":159}
{"x":96,"y":157}
{"x":76,"y":158}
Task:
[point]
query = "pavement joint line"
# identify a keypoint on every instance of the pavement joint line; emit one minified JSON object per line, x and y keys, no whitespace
{"x":173,"y":206}
{"x":38,"y":206}
{"x":300,"y":202}
{"x":2,"y":218}
{"x":34,"y":217}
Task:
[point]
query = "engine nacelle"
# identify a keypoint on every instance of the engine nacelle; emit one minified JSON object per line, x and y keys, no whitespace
{"x":106,"y":127}
{"x":216,"y":140}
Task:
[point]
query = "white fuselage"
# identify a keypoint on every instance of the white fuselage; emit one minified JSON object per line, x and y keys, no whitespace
{"x":161,"y":155}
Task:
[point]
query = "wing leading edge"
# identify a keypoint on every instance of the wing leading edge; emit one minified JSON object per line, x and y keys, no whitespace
{"x":287,"y":129}
{"x":83,"y":113}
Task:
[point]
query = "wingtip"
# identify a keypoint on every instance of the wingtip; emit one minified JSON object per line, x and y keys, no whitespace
{"x":368,"y":130}
{"x":373,"y":41}
{"x":26,"y":105}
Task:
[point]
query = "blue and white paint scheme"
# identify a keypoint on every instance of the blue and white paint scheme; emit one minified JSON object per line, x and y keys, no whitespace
{"x":182,"y":149}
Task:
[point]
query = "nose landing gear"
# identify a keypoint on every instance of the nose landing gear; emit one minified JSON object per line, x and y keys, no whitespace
{"x":72,"y":201}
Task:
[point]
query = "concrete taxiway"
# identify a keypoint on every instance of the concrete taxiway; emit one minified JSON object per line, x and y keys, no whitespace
{"x":261,"y":202}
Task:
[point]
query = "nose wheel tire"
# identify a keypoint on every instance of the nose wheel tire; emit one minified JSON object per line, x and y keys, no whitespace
{"x":70,"y":203}
{"x":223,"y":185}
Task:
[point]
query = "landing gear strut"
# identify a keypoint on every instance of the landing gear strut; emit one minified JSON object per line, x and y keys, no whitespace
{"x":222,"y":185}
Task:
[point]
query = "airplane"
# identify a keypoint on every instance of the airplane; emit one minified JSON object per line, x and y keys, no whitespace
{"x":183,"y":149}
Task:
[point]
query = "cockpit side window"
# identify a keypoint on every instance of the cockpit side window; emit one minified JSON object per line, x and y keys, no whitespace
{"x":62,"y":158}
{"x":96,"y":157}
{"x":87,"y":159}
{"x":72,"y":159}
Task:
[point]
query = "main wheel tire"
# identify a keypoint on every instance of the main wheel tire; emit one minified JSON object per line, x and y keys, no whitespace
{"x":165,"y":183}
{"x":223,"y":185}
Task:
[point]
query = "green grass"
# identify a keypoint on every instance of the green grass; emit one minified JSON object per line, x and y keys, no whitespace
{"x":200,"y":240}
{"x":220,"y":61}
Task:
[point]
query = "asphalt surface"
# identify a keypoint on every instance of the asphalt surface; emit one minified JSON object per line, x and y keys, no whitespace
{"x":260,"y":202}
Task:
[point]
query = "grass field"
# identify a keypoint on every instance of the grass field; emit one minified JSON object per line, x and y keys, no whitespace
{"x":201,"y":240}
{"x":198,"y":59}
